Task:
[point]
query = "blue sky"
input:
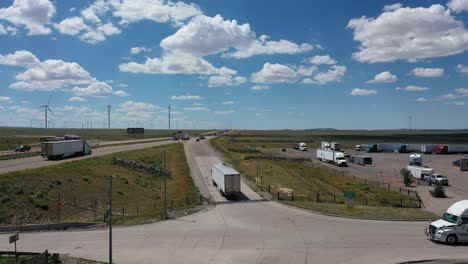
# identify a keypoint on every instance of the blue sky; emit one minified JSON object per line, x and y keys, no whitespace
{"x":235,"y":64}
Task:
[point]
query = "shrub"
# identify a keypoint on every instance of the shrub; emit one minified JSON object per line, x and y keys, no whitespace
{"x":407,"y":177}
{"x":87,"y":179}
{"x":439,"y":191}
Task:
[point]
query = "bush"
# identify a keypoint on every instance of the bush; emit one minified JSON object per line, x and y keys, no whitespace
{"x":407,"y":177}
{"x":439,"y":191}
{"x":87,"y":179}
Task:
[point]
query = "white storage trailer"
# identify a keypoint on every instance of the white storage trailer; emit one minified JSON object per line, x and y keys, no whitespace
{"x":420,"y":172}
{"x":428,"y":148}
{"x":226,"y":179}
{"x":335,"y":146}
{"x":331,"y":156}
{"x":363,"y":160}
{"x":65,"y":148}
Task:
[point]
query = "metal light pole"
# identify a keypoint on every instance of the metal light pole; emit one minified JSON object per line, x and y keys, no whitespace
{"x":165,"y":186}
{"x":110,"y":218}
{"x":169,"y":117}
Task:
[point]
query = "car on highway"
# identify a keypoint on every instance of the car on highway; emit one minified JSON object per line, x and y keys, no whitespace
{"x":202,"y":137}
{"x":22,"y":148}
{"x":437,"y":179}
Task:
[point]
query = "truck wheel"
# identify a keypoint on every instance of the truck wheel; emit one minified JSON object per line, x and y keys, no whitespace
{"x":214,"y":183}
{"x":452,"y":239}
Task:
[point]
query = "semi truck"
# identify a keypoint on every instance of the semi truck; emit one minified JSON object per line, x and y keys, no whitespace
{"x":335,"y":146}
{"x":453,"y":227}
{"x":446,"y":149}
{"x":226,"y":180}
{"x":415,"y":159}
{"x":372,"y":148}
{"x":428,"y":148}
{"x":300,"y":146}
{"x":420,"y":172}
{"x":332,"y":156}
{"x":65,"y":148}
{"x":324,"y":145}
{"x":363,"y":160}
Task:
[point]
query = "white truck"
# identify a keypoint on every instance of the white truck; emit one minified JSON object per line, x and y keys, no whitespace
{"x":419,"y":172}
{"x":226,"y":179}
{"x":64,"y":148}
{"x":415,"y":159}
{"x":300,"y":146}
{"x":324,"y":145}
{"x":331,"y":156}
{"x":335,"y":146}
{"x":453,"y":227}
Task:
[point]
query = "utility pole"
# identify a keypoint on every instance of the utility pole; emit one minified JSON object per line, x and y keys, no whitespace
{"x":165,"y":185}
{"x":169,"y":117}
{"x":108,"y":115}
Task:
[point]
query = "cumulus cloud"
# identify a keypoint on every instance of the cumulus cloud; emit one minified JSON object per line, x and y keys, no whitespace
{"x":462,"y":68}
{"x":197,"y":108}
{"x":274,"y":73}
{"x":260,"y":88}
{"x":406,"y":33}
{"x":34,"y":15}
{"x":137,"y":106}
{"x":136,"y":50}
{"x":459,"y":103}
{"x":121,"y":93}
{"x":224,"y":112}
{"x":76,"y":99}
{"x":71,"y":26}
{"x":458,"y":5}
{"x":334,"y":74}
{"x":322,"y":59}
{"x":428,"y":72}
{"x":421,"y":100}
{"x":362,"y":92}
{"x":413,"y":88}
{"x":229,"y":103}
{"x":389,"y":8}
{"x":95,"y":89}
{"x":48,"y":75}
{"x":227,"y":80}
{"x":186,"y":97}
{"x":384,"y":77}
{"x":100,"y":33}
{"x":5,"y":99}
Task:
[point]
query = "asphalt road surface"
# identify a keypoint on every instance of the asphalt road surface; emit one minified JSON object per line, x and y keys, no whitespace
{"x":247,"y":231}
{"x":38,"y":161}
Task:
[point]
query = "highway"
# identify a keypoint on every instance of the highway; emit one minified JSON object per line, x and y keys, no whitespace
{"x":248,"y":231}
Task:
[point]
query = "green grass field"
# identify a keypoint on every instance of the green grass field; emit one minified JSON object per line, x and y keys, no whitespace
{"x":31,"y":196}
{"x":306,"y":178}
{"x":14,"y":136}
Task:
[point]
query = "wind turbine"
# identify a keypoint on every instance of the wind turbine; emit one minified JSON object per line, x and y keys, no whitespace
{"x":47,"y":109}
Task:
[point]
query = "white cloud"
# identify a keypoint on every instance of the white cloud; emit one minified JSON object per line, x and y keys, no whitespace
{"x":136,"y":50}
{"x":5,"y":99}
{"x":196,"y":108}
{"x":76,"y":99}
{"x":459,"y":103}
{"x":215,"y":81}
{"x":334,"y":74}
{"x":260,"y":88}
{"x":306,"y":71}
{"x":137,"y":106}
{"x":449,"y":96}
{"x":428,"y":72}
{"x":407,"y":34}
{"x":186,"y":97}
{"x":458,"y":5}
{"x":198,"y":104}
{"x":2,"y":108}
{"x":121,"y":93}
{"x":362,"y":92}
{"x":229,"y":103}
{"x":71,"y":26}
{"x":324,"y":59}
{"x":413,"y":88}
{"x":274,"y":73}
{"x":462,"y":91}
{"x":48,"y":75}
{"x":95,"y":89}
{"x":34,"y":15}
{"x":462,"y":68}
{"x":389,"y":8}
{"x":421,"y":100}
{"x":224,"y":112}
{"x":123,"y":85}
{"x":100,"y":33}
{"x":7,"y":30}
{"x":384,"y":77}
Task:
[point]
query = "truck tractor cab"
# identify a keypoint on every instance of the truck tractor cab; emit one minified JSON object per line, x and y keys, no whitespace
{"x":415,"y":159}
{"x":340,"y":159}
{"x":453,"y":227}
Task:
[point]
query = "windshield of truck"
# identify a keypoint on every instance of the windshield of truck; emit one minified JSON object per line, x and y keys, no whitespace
{"x":450,"y":218}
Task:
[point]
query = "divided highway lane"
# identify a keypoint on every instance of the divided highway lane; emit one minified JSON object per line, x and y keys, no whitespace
{"x":249,"y":231}
{"x":38,"y":161}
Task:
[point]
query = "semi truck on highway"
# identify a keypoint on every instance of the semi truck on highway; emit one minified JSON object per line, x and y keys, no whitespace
{"x":419,"y":172}
{"x":415,"y":159}
{"x":226,"y":179}
{"x":65,"y":148}
{"x":447,"y":149}
{"x":332,"y":156}
{"x":453,"y":227}
{"x":300,"y":146}
{"x":335,"y":146}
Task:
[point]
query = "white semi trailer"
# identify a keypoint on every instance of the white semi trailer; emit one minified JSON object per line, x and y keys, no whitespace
{"x":331,"y":156}
{"x":419,"y":172}
{"x":65,"y":148}
{"x":226,"y":179}
{"x":335,"y":146}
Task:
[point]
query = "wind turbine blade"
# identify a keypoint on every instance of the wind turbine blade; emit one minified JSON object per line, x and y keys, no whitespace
{"x":50,"y":110}
{"x":48,"y":102}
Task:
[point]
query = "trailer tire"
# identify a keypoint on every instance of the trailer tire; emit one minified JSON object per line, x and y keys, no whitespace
{"x":451,"y":239}
{"x":214,"y":183}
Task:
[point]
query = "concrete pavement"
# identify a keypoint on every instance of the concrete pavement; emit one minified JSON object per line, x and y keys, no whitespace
{"x":249,"y":231}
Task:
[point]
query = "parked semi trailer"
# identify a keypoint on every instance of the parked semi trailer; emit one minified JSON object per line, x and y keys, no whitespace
{"x":363,"y":160}
{"x":331,"y":156}
{"x":419,"y":172}
{"x":226,"y":179}
{"x":446,"y":149}
{"x":335,"y":146}
{"x":65,"y":148}
{"x":324,"y":145}
{"x":300,"y":146}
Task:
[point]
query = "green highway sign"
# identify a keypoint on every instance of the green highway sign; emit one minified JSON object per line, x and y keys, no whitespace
{"x":349,"y":194}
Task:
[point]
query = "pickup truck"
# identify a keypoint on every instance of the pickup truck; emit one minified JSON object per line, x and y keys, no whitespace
{"x":22,"y":148}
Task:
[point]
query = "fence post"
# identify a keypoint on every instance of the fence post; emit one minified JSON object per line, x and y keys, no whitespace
{"x":334,"y":198}
{"x":172,"y":204}
{"x":269,"y":188}
{"x":388,"y":184}
{"x":365,"y":180}
{"x":400,"y":189}
{"x":46,"y":256}
{"x":138,"y":210}
{"x":292,"y":196}
{"x":123,"y":211}
{"x":309,"y":196}
{"x":366,"y":200}
{"x":318,"y":197}
{"x":353,"y":177}
{"x":277,"y":196}
{"x":408,"y":191}
{"x":201,"y":199}
{"x":419,"y":200}
{"x":401,"y":202}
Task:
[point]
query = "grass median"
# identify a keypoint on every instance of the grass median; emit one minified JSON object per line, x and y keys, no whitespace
{"x":32,"y":196}
{"x":307,"y":180}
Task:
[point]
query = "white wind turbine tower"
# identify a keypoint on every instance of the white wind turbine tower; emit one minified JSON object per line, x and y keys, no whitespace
{"x":47,"y":109}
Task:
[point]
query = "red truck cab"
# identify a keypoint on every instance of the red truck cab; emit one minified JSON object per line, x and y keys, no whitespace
{"x":442,"y":149}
